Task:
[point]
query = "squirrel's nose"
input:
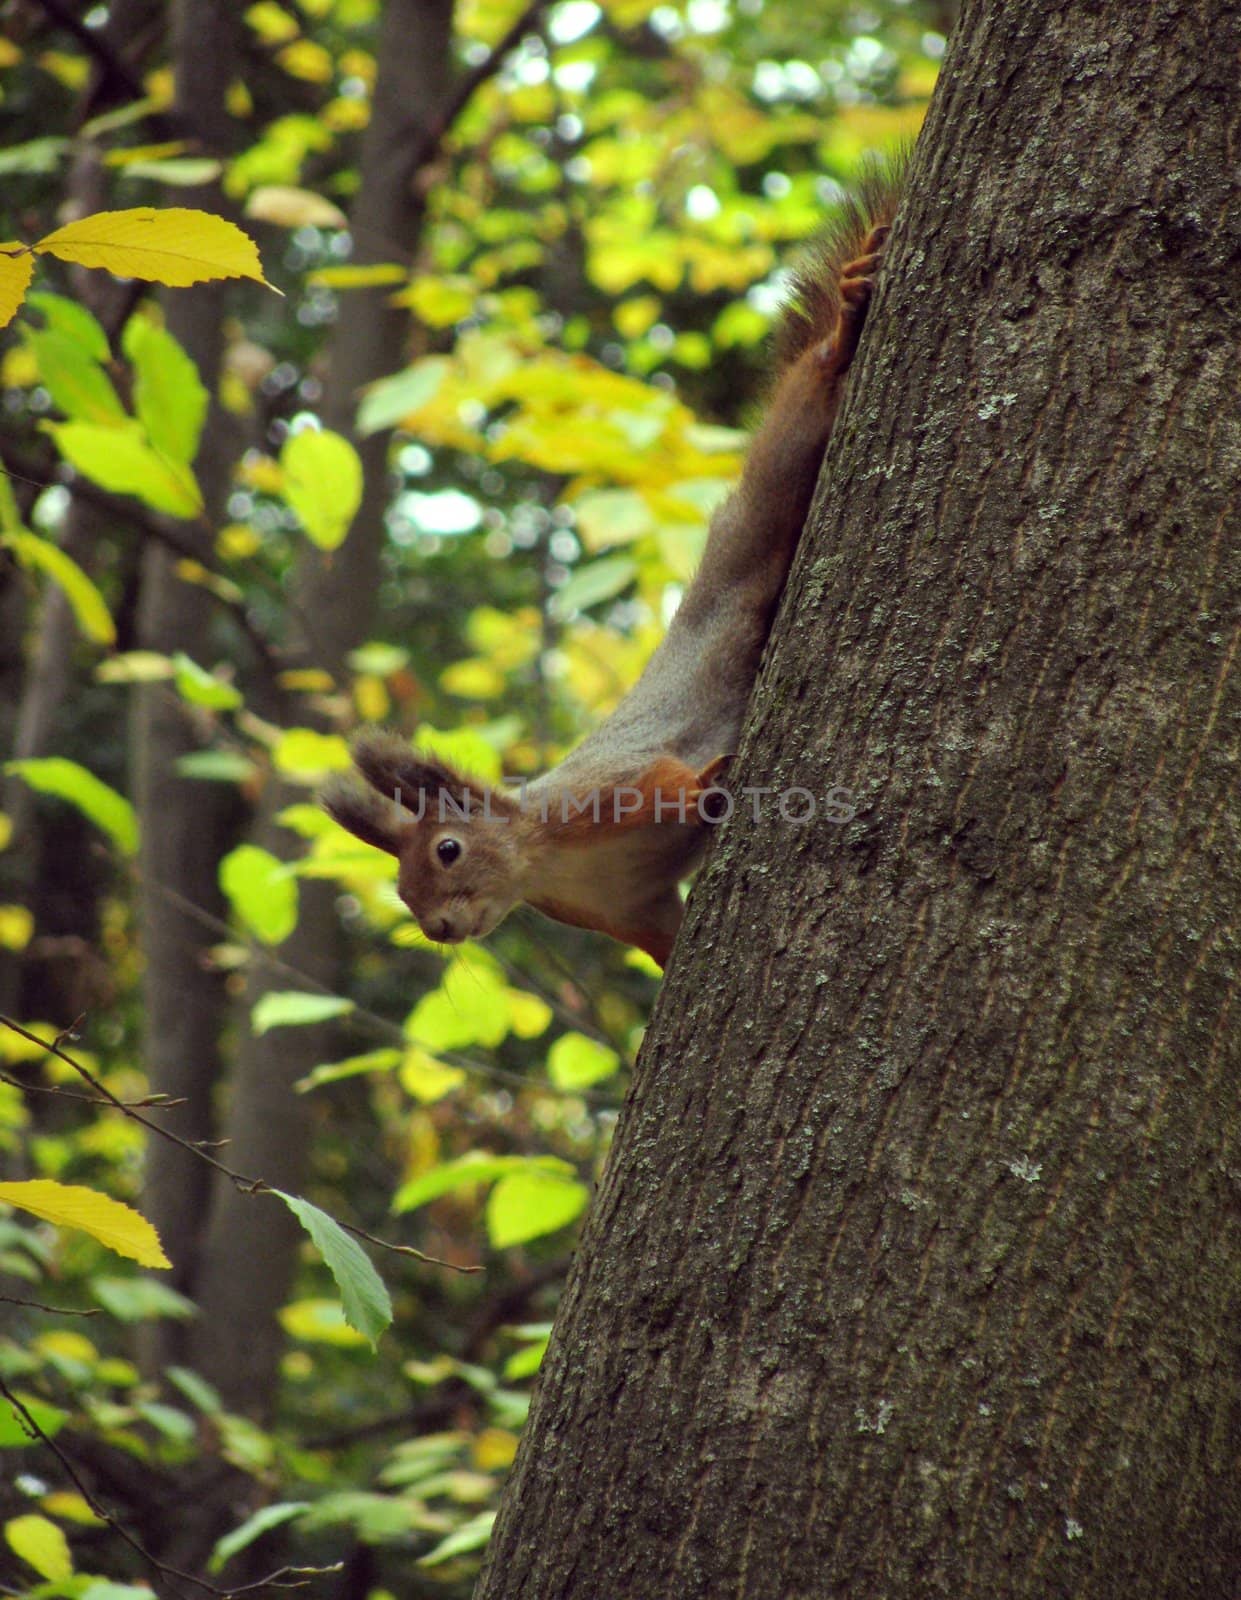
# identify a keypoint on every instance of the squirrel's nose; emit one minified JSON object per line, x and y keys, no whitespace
{"x":440,"y":929}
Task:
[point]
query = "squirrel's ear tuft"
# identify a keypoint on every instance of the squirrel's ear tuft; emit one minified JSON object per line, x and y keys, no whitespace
{"x":363,"y":812}
{"x":399,"y":773}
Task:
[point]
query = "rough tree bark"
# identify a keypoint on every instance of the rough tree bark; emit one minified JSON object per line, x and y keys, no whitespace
{"x":913,"y":1271}
{"x":250,"y":1247}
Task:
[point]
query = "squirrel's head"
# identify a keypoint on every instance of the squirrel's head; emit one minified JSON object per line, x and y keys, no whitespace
{"x":459,"y":844}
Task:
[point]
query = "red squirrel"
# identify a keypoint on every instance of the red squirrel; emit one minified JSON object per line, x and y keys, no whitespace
{"x":603,"y":839}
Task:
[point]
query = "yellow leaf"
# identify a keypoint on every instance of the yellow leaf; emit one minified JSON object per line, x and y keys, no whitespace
{"x":359,"y":277}
{"x":175,"y":246}
{"x":87,"y":604}
{"x":494,"y":1447}
{"x":41,"y":1545}
{"x":70,"y":1507}
{"x":427,"y":1079}
{"x":70,"y":1205}
{"x":290,"y":207}
{"x":306,"y":60}
{"x":16,"y":271}
{"x":16,"y":927}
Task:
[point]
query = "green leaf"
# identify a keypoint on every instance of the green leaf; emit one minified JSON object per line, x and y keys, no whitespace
{"x":68,"y":781}
{"x":575,"y":1062}
{"x":141,"y":1299}
{"x":291,"y":1008}
{"x":87,"y":604}
{"x":253,"y":1528}
{"x":203,"y":688}
{"x":216,"y":766}
{"x":391,"y":399}
{"x":526,"y":1205}
{"x":476,"y":1166}
{"x":322,"y":483}
{"x":39,"y":156}
{"x":73,"y":377}
{"x":382,"y":1060}
{"x":261,"y":892}
{"x":13,"y":1435}
{"x":169,"y":398}
{"x":41,"y":1545}
{"x":184,"y":172}
{"x":196,"y":1389}
{"x":597,"y":581}
{"x":362,"y":1293}
{"x":120,"y":459}
{"x":471,"y":1535}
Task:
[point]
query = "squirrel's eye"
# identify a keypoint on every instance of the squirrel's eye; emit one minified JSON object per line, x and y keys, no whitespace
{"x":448,"y":850}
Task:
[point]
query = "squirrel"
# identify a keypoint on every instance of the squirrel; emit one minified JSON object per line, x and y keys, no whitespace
{"x":603,"y":839}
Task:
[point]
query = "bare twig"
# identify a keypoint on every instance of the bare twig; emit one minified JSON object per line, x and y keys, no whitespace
{"x":438,"y":129}
{"x":194,"y":1147}
{"x":282,"y":1578}
{"x":56,"y":1311}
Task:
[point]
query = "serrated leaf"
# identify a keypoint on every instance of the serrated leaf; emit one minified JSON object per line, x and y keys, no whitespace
{"x":87,"y":604}
{"x":322,"y":483}
{"x":253,"y":1528}
{"x":575,"y":1062}
{"x":41,"y":1545}
{"x":261,"y":892}
{"x":121,"y":459}
{"x":16,"y":271}
{"x":73,"y":377}
{"x":319,"y":1321}
{"x":291,"y":1008}
{"x":65,"y":779}
{"x":362,"y":1293}
{"x":175,"y":246}
{"x":70,"y":1205}
{"x":526,"y":1205}
{"x":169,"y":398}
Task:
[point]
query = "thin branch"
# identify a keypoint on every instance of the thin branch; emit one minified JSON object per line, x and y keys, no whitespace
{"x":194,"y":1147}
{"x":379,"y":1025}
{"x":56,"y":1311}
{"x":439,"y":127}
{"x":282,"y":1578}
{"x":159,"y":1102}
{"x":97,"y":45}
{"x":29,"y":470}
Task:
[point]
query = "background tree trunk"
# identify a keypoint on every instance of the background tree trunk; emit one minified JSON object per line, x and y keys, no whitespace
{"x":185,"y":822}
{"x":913,"y":1271}
{"x":250,"y":1248}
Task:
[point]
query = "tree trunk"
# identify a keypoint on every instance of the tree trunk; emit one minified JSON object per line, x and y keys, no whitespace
{"x":913,"y":1271}
{"x":250,"y":1247}
{"x":185,"y":822}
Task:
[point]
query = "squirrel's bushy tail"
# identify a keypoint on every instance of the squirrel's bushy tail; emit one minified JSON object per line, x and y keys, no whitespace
{"x":813,"y":302}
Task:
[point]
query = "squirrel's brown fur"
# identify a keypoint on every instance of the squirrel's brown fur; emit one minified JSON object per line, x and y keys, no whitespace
{"x":599,"y":841}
